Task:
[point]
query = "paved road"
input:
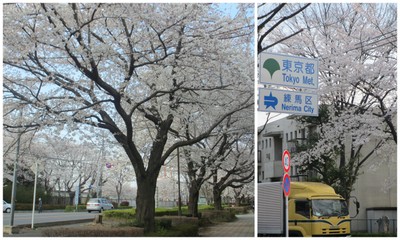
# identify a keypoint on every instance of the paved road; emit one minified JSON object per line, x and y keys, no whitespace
{"x":242,"y":227}
{"x":22,"y":218}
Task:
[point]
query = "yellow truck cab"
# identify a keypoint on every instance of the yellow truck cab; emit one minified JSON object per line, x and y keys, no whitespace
{"x":315,"y":210}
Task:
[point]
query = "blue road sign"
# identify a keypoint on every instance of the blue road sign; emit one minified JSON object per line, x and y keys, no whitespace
{"x":286,"y":184}
{"x":290,"y":102}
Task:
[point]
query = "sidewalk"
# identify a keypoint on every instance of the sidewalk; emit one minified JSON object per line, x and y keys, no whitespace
{"x":242,"y":227}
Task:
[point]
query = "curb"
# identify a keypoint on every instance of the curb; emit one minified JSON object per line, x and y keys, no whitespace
{"x":16,"y":229}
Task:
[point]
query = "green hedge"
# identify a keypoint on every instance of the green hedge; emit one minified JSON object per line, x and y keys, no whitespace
{"x":120,"y":213}
{"x":165,"y":228}
{"x":71,"y":208}
{"x":219,"y":215}
{"x":28,"y":207}
{"x":238,"y":210}
{"x":93,"y":231}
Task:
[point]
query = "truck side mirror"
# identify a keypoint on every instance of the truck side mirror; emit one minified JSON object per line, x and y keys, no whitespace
{"x":357,"y":203}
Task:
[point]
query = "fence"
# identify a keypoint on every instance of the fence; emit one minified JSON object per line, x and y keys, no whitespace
{"x":381,"y":225}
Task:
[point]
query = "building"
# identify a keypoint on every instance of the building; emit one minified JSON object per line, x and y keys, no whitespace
{"x":377,"y":204}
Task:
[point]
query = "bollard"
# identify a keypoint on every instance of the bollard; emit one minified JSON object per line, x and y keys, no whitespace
{"x":98,"y":219}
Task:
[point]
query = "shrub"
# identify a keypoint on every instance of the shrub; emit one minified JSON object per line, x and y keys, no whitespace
{"x":219,"y":215}
{"x":124,"y":207}
{"x":71,"y":208}
{"x":28,"y":207}
{"x":124,"y":204}
{"x":120,"y":213}
{"x":166,"y":227}
{"x":93,"y":232}
{"x":163,"y":223}
{"x":238,"y":210}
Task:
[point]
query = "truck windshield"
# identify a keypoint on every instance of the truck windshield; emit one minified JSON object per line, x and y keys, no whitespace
{"x":329,"y":208}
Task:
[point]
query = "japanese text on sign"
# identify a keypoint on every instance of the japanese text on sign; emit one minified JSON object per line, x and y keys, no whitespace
{"x":289,"y":71}
{"x":271,"y":100}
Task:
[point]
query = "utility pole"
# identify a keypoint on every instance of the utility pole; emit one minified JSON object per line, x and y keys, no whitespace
{"x":14,"y":184}
{"x":179,"y":188}
{"x":34,"y":195}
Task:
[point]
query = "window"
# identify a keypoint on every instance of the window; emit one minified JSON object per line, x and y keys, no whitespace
{"x":287,"y":137}
{"x":295,"y":134}
{"x":291,"y":135}
{"x":262,"y":175}
{"x":303,"y":208}
{"x":270,"y":142}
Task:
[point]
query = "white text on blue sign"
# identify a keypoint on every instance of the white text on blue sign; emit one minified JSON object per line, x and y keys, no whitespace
{"x":271,"y":100}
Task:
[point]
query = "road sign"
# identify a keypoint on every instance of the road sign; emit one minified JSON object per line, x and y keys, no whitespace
{"x":290,"y":102}
{"x":286,"y":184}
{"x":288,"y":70}
{"x":286,"y":161}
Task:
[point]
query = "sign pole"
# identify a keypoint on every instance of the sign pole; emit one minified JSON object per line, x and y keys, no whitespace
{"x":287,"y":216}
{"x":286,"y":186}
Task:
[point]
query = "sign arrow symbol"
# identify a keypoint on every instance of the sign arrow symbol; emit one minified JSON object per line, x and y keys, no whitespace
{"x":270,"y":101}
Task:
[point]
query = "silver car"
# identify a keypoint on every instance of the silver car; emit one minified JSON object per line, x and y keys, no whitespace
{"x":6,"y":207}
{"x":98,"y":204}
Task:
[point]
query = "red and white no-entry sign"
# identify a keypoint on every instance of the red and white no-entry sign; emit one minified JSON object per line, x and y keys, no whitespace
{"x":286,"y":161}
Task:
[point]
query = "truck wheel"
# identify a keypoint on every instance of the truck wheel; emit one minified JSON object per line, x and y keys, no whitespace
{"x":295,"y":234}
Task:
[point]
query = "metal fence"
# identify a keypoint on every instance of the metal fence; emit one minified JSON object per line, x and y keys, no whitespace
{"x":381,"y":225}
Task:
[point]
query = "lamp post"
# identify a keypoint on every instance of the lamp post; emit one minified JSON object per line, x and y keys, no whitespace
{"x":179,"y":188}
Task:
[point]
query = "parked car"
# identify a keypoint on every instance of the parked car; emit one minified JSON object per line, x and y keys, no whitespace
{"x":98,"y":204}
{"x":6,"y":207}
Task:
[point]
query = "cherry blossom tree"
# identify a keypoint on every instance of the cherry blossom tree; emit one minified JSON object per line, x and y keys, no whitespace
{"x":119,"y":173}
{"x":269,"y":18}
{"x":356,"y":48}
{"x":233,"y":167}
{"x":135,"y":70}
{"x":204,"y":159}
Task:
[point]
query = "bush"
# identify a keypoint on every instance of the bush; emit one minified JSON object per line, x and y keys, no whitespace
{"x":93,"y":232}
{"x":166,"y":212}
{"x":163,"y":223}
{"x":28,"y":207}
{"x":124,"y":204}
{"x":175,"y":226}
{"x":120,"y":213}
{"x":238,"y":210}
{"x":124,"y":207}
{"x":219,"y":215}
{"x":71,"y":208}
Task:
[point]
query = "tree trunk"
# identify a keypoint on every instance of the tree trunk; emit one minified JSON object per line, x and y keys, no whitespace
{"x":237,"y":200}
{"x":145,"y":203}
{"x":217,"y":199}
{"x":193,"y":200}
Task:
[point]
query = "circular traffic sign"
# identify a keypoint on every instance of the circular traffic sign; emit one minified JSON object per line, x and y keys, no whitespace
{"x":286,"y":184}
{"x":286,"y":161}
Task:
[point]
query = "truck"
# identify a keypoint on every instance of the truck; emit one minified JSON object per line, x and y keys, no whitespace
{"x":315,"y":210}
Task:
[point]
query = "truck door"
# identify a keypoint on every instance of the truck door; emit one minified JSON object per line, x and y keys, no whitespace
{"x":303,"y":216}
